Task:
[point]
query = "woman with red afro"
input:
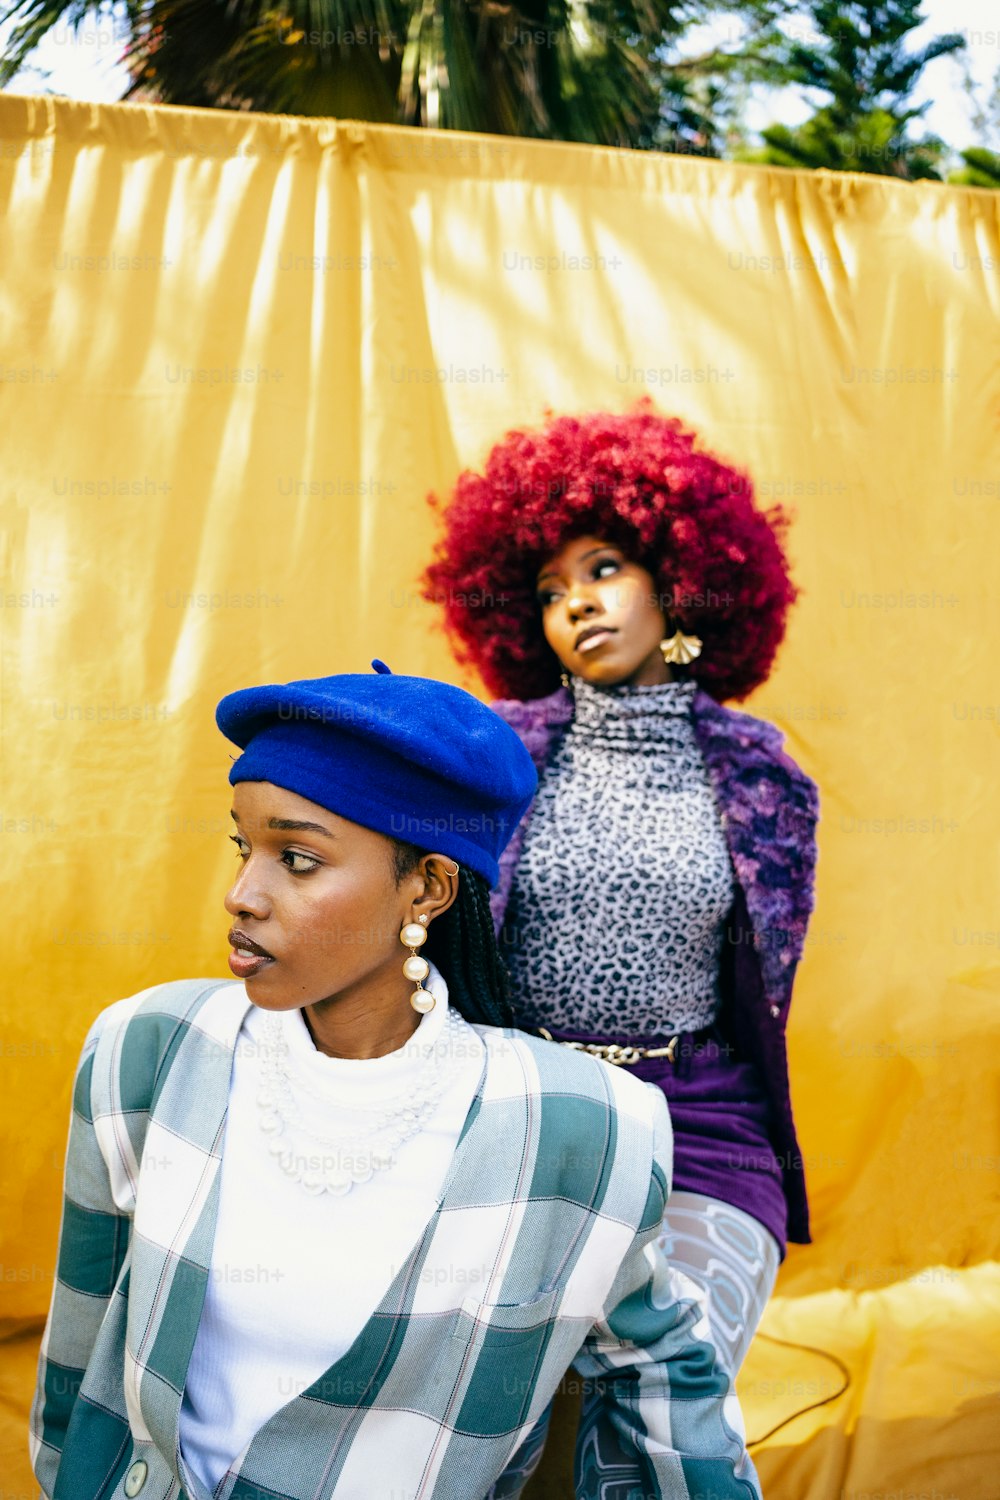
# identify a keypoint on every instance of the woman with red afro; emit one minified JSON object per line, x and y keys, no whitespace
{"x":613,"y":583}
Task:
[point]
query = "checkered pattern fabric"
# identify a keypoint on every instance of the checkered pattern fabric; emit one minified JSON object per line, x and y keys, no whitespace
{"x":553,"y":1200}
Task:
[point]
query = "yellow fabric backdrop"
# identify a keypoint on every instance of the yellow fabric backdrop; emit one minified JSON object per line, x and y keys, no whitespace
{"x":239,"y":351}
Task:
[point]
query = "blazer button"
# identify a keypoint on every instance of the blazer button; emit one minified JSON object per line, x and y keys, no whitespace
{"x":776,"y":1010}
{"x":136,"y":1477}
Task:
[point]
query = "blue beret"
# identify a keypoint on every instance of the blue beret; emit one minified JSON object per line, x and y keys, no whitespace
{"x":416,"y":759}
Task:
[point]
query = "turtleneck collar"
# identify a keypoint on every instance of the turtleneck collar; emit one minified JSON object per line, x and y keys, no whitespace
{"x":367,"y":1078}
{"x":631,"y":713}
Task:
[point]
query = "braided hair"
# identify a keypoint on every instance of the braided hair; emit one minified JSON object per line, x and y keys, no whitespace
{"x":461,"y":943}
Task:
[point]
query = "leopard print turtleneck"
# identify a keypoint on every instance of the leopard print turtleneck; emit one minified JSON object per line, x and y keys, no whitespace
{"x":616,"y":917}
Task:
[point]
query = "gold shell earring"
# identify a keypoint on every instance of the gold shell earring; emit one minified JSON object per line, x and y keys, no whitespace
{"x":680,"y":649}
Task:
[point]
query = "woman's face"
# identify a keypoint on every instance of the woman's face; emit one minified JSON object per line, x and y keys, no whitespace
{"x":601,"y":615}
{"x":317,"y":895}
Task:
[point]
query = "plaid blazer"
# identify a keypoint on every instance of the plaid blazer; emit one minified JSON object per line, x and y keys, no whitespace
{"x":557,"y":1184}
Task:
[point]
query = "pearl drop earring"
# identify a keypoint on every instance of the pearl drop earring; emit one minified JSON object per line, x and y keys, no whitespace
{"x":413,"y":935}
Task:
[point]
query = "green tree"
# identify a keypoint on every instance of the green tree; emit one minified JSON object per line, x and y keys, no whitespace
{"x":859,"y":59}
{"x":582,"y":70}
{"x":982,"y":162}
{"x":704,"y":95}
{"x":982,"y":168}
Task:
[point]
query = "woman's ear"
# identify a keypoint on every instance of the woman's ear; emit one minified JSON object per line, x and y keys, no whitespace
{"x":437,"y":876}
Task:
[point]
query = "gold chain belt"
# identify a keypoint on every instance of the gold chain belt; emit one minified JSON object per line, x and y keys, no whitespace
{"x":616,"y":1052}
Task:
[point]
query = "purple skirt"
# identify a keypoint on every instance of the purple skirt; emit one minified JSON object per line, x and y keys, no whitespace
{"x":720,"y":1117}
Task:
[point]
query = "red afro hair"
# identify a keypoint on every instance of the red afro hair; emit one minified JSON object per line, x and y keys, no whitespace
{"x":639,"y":481}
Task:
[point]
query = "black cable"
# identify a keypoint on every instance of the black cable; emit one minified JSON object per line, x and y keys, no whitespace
{"x":813,"y":1405}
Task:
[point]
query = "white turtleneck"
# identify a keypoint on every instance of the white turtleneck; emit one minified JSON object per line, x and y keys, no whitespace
{"x":295,"y":1275}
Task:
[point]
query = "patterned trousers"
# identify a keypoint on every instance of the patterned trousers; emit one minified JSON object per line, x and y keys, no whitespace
{"x":718,"y":1255}
{"x":732,"y":1262}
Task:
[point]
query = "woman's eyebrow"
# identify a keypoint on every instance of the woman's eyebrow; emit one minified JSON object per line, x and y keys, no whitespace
{"x":293,"y":825}
{"x":607,"y":547}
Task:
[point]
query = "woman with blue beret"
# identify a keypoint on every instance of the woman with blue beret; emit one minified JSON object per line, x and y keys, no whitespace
{"x":613,"y":582}
{"x":333,"y":1228}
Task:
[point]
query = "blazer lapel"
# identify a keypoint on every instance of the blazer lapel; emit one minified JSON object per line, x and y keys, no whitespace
{"x":177,"y":1205}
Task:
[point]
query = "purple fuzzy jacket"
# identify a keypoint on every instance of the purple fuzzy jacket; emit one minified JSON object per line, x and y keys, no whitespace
{"x":768,"y":809}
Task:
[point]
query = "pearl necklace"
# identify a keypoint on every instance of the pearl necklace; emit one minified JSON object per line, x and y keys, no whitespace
{"x":346,"y":1160}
